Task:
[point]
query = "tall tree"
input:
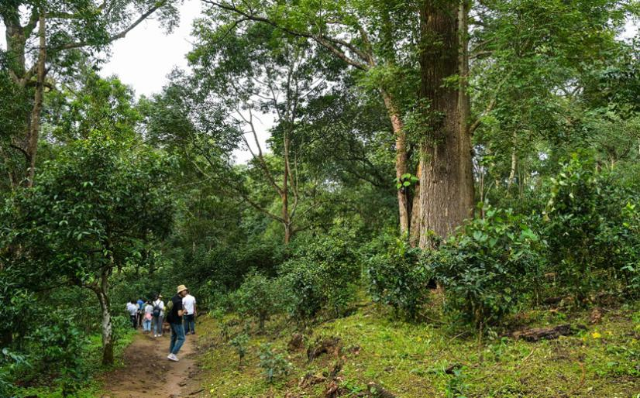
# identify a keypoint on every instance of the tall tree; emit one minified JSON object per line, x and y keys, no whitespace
{"x":252,"y":70}
{"x":375,"y":38}
{"x":50,"y":35}
{"x":392,"y":43}
{"x":90,"y":213}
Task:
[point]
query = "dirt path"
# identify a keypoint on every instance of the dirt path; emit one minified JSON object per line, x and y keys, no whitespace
{"x":148,"y":372}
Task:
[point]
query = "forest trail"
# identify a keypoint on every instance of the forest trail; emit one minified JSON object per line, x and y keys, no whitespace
{"x":148,"y":373}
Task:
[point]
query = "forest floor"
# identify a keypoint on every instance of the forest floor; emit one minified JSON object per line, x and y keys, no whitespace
{"x":148,"y":373}
{"x":368,"y":354}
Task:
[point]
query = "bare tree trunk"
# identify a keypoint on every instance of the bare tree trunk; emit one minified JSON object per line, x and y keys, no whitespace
{"x":414,"y":235}
{"x":285,"y":192}
{"x":446,"y":180}
{"x":464,"y":106}
{"x":102,"y":292}
{"x":514,"y":166}
{"x":401,"y":160}
{"x":34,"y":126}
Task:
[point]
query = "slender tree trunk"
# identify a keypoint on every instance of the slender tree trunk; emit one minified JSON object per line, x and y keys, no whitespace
{"x":446,"y":179}
{"x":107,"y":327}
{"x":514,"y":166}
{"x":34,"y":125}
{"x":401,"y":160}
{"x":414,"y":236}
{"x":285,"y":192}
{"x":464,"y":105}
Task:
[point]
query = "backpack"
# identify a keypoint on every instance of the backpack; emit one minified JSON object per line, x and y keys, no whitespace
{"x":156,"y":310}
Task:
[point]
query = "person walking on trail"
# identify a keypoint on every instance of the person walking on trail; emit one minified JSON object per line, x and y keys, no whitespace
{"x":189,"y":305}
{"x":175,"y":320}
{"x":140,"y":311}
{"x":148,"y":317}
{"x":158,"y":316}
{"x":132,"y":308}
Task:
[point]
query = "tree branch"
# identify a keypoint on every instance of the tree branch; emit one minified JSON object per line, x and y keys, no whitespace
{"x":327,"y":42}
{"x":492,"y":104}
{"x":120,"y":35}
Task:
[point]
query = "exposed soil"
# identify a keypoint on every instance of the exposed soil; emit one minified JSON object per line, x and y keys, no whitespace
{"x":148,"y":372}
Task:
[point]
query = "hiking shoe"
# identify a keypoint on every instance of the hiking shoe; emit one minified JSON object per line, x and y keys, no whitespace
{"x":173,"y":357}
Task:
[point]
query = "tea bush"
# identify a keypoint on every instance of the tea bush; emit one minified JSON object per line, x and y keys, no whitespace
{"x":592,"y":225}
{"x":274,"y":364}
{"x":398,"y":278}
{"x":488,"y":269}
{"x":323,"y":274}
{"x":258,"y":297}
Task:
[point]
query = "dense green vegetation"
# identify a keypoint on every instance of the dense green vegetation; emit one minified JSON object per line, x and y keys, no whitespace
{"x":426,"y":188}
{"x":427,"y":359}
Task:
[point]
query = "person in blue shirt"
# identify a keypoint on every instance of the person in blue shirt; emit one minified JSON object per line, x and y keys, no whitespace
{"x":141,"y":302}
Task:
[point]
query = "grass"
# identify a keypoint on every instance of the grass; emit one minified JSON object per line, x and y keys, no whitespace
{"x":431,"y":360}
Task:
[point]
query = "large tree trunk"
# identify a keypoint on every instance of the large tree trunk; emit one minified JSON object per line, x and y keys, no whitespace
{"x":401,"y":160}
{"x":446,"y":180}
{"x":107,"y":327}
{"x":16,"y":36}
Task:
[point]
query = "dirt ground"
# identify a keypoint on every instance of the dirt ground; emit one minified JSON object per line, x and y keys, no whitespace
{"x":148,"y":372}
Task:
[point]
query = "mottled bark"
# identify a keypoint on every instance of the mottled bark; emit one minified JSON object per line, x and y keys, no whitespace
{"x":286,"y":216}
{"x":414,"y":235}
{"x":401,"y":160}
{"x":34,"y":125}
{"x":446,"y":178}
{"x":514,"y":162}
{"x":102,"y":291}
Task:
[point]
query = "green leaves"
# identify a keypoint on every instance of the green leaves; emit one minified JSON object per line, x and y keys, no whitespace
{"x":490,"y":266}
{"x":406,"y":181}
{"x":90,"y":206}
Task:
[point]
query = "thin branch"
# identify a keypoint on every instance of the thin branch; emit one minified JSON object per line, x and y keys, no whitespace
{"x":117,"y":36}
{"x":33,"y":21}
{"x":260,"y":156}
{"x":327,"y":42}
{"x":491,"y":105}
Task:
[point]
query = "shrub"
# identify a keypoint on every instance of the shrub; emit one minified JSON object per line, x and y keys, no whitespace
{"x":572,"y":225}
{"x":274,"y":364}
{"x":303,"y":280}
{"x":592,"y":226}
{"x":10,"y":362}
{"x":618,"y":243}
{"x":240,"y":344}
{"x":323,"y":274}
{"x":398,"y":278}
{"x":489,"y":267}
{"x":258,"y":297}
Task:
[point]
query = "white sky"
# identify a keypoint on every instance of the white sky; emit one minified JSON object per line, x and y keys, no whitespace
{"x":145,"y":57}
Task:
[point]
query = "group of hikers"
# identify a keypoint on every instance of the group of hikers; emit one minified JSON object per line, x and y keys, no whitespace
{"x":181,"y":317}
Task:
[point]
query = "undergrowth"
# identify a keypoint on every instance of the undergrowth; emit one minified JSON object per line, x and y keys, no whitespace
{"x":431,"y":359}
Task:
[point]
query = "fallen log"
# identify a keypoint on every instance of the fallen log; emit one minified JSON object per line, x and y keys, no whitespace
{"x":549,"y":333}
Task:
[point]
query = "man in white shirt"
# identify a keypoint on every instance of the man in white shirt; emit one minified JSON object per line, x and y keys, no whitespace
{"x":132,"y":309}
{"x":189,"y":306}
